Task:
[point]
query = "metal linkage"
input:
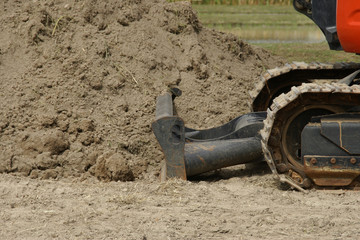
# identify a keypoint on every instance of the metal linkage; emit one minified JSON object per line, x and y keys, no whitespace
{"x":190,"y":152}
{"x":170,"y":133}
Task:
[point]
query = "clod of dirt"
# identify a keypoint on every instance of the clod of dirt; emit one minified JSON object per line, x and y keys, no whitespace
{"x":52,"y":141}
{"x":113,"y":168}
{"x":80,"y":78}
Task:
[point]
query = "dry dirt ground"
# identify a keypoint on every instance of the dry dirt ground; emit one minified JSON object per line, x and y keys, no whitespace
{"x":232,"y":205}
{"x":78,"y":159}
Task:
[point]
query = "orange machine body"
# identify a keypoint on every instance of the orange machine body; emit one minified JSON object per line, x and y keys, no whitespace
{"x":348,"y":24}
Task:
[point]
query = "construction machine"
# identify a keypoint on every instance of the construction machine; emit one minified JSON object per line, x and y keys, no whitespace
{"x":305,"y":119}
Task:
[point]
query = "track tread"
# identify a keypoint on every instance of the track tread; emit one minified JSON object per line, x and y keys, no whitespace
{"x":288,"y":67}
{"x":283,"y":100}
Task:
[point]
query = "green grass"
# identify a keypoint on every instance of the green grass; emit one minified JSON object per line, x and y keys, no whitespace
{"x":260,"y":21}
{"x":308,"y":52}
{"x":254,"y":19}
{"x":243,"y":9}
{"x":250,"y":15}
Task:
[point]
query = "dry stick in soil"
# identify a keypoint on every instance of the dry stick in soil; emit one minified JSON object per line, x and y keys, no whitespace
{"x":126,"y":70}
{"x":56,"y":24}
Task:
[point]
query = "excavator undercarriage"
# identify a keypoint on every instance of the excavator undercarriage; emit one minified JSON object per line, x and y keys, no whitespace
{"x":305,"y":122}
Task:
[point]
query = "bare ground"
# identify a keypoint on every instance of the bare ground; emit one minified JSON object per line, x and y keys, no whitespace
{"x":235,"y":205}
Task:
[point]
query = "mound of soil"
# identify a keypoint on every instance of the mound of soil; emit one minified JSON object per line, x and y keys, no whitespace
{"x":79,"y":81}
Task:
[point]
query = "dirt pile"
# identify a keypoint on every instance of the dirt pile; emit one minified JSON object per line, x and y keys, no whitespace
{"x":79,"y":81}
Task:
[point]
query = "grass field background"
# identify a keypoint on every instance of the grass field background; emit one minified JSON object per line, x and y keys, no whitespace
{"x":273,"y":25}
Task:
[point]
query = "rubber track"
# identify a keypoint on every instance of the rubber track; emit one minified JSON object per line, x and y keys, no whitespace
{"x":282,"y":101}
{"x":269,"y":74}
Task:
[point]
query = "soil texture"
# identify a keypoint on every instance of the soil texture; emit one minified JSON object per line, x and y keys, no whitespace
{"x":79,"y":83}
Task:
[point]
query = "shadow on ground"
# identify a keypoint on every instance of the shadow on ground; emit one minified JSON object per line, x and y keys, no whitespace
{"x":240,"y":171}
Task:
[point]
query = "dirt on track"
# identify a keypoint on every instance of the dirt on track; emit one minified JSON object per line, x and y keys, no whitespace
{"x":78,"y":159}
